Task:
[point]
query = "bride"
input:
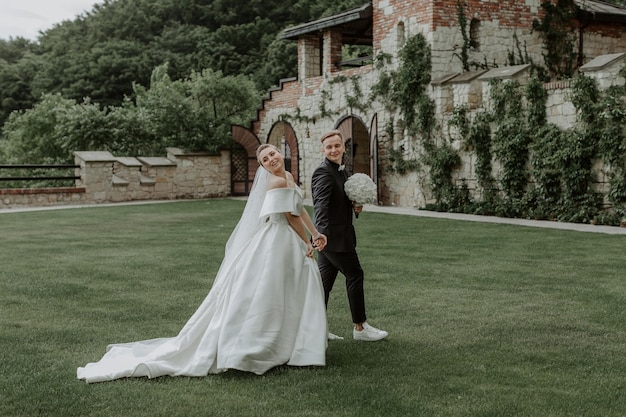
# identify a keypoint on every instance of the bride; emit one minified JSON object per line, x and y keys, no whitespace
{"x":266,"y":306}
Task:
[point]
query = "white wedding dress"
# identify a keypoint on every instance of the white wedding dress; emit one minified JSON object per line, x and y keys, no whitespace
{"x":265,"y":308}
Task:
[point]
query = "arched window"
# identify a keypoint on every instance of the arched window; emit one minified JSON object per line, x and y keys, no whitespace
{"x":400,"y":34}
{"x":475,"y":34}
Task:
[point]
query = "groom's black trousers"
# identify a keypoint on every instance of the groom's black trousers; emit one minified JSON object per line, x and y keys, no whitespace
{"x":330,"y":263}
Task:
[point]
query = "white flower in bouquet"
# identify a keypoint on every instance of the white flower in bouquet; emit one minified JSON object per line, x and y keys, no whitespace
{"x":361,"y":189}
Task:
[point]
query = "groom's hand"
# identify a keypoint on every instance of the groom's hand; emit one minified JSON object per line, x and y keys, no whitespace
{"x":320,"y":242}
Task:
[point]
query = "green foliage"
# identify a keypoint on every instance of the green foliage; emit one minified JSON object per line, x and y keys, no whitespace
{"x":194,"y":114}
{"x":557,"y":183}
{"x":463,"y":56}
{"x":601,"y":132}
{"x":382,"y":89}
{"x":612,"y":144}
{"x":442,"y":161}
{"x":39,"y":135}
{"x":55,"y":127}
{"x":18,"y":66}
{"x":511,"y":138}
{"x":479,"y":138}
{"x":545,"y":196}
{"x":537,"y":97}
{"x":399,"y":163}
{"x":559,"y":37}
{"x":410,"y":82}
{"x":118,"y":43}
{"x":351,"y":90}
{"x":516,"y":57}
{"x":460,"y":121}
{"x":404,"y":90}
{"x":281,"y":59}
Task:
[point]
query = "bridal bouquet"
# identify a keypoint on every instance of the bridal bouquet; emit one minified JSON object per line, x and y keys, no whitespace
{"x":361,"y":189}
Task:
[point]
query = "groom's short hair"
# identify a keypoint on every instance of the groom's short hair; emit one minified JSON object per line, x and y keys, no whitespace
{"x":331,"y":133}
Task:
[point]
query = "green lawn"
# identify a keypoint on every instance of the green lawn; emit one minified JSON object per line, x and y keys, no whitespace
{"x":484,"y":319}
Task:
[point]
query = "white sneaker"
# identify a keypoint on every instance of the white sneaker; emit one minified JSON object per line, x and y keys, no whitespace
{"x":332,"y":336}
{"x":369,"y":333}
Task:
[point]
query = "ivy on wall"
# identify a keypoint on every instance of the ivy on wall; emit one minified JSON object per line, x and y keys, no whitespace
{"x":559,"y":37}
{"x":405,"y":91}
{"x":544,"y":172}
{"x":463,"y":55}
{"x":547,"y":173}
{"x":408,"y":88}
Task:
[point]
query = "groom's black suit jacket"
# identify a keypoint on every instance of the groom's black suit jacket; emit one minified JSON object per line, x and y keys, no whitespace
{"x":332,"y":208}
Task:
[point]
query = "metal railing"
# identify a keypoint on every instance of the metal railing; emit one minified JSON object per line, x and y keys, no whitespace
{"x":38,"y":176}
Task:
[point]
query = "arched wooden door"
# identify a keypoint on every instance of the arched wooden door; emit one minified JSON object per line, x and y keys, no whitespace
{"x":243,"y":160}
{"x":357,"y":139}
{"x":374,"y":153}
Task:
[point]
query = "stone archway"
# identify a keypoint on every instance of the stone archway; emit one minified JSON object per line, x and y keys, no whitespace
{"x":284,"y":138}
{"x":243,"y":163}
{"x":357,"y":139}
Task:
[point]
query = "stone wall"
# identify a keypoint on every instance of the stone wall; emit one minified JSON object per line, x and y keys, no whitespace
{"x":471,"y":89}
{"x":105,"y":178}
{"x":413,"y":190}
{"x":316,"y":101}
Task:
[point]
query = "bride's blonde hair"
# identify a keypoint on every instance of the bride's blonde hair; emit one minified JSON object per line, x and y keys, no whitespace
{"x":264,"y":146}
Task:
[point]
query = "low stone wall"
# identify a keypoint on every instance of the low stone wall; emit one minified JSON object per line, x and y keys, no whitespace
{"x":35,"y":197}
{"x":105,"y":178}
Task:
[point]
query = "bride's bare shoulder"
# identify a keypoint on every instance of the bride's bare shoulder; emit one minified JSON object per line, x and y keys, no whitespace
{"x":277,"y":182}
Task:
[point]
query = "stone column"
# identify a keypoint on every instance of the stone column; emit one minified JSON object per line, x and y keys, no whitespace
{"x":332,"y":51}
{"x":96,"y":175}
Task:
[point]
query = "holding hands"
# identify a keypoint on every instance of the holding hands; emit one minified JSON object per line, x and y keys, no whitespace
{"x":319,"y":242}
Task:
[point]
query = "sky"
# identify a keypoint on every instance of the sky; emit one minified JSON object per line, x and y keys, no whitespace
{"x":26,"y":18}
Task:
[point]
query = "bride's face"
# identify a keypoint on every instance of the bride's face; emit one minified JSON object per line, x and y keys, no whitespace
{"x":271,"y":159}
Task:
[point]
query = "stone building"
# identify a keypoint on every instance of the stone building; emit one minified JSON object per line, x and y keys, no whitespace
{"x":330,"y":93}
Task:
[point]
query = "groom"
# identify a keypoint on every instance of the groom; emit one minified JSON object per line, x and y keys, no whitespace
{"x":333,"y":218}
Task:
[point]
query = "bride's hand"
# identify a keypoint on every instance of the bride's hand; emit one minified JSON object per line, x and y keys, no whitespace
{"x":310,"y":251}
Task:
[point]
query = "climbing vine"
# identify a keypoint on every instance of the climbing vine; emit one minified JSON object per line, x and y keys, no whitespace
{"x":612,"y":146}
{"x":559,"y":37}
{"x":479,"y":138}
{"x":510,"y":140}
{"x":404,"y":91}
{"x":601,"y":132}
{"x":544,"y":199}
{"x":464,"y":55}
{"x":442,"y":161}
{"x":353,"y":94}
{"x":557,"y":183}
{"x":544,"y":172}
{"x":409,"y":84}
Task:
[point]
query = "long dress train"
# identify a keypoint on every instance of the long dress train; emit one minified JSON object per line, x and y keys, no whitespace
{"x":266,"y":308}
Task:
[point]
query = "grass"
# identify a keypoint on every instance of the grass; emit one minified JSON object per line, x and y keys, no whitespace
{"x":484,"y":319}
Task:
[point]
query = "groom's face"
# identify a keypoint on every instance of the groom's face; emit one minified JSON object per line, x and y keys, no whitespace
{"x":333,"y":148}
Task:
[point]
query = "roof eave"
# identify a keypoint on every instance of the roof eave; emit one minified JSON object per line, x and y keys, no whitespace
{"x":363,"y":12}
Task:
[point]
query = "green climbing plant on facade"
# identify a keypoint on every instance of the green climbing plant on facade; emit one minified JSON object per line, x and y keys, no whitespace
{"x":405,"y":91}
{"x":463,"y":55}
{"x":559,"y":37}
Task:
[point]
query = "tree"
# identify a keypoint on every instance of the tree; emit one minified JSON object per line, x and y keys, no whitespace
{"x":102,"y":53}
{"x":37,"y":135}
{"x":196,"y":113}
{"x":18,"y":66}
